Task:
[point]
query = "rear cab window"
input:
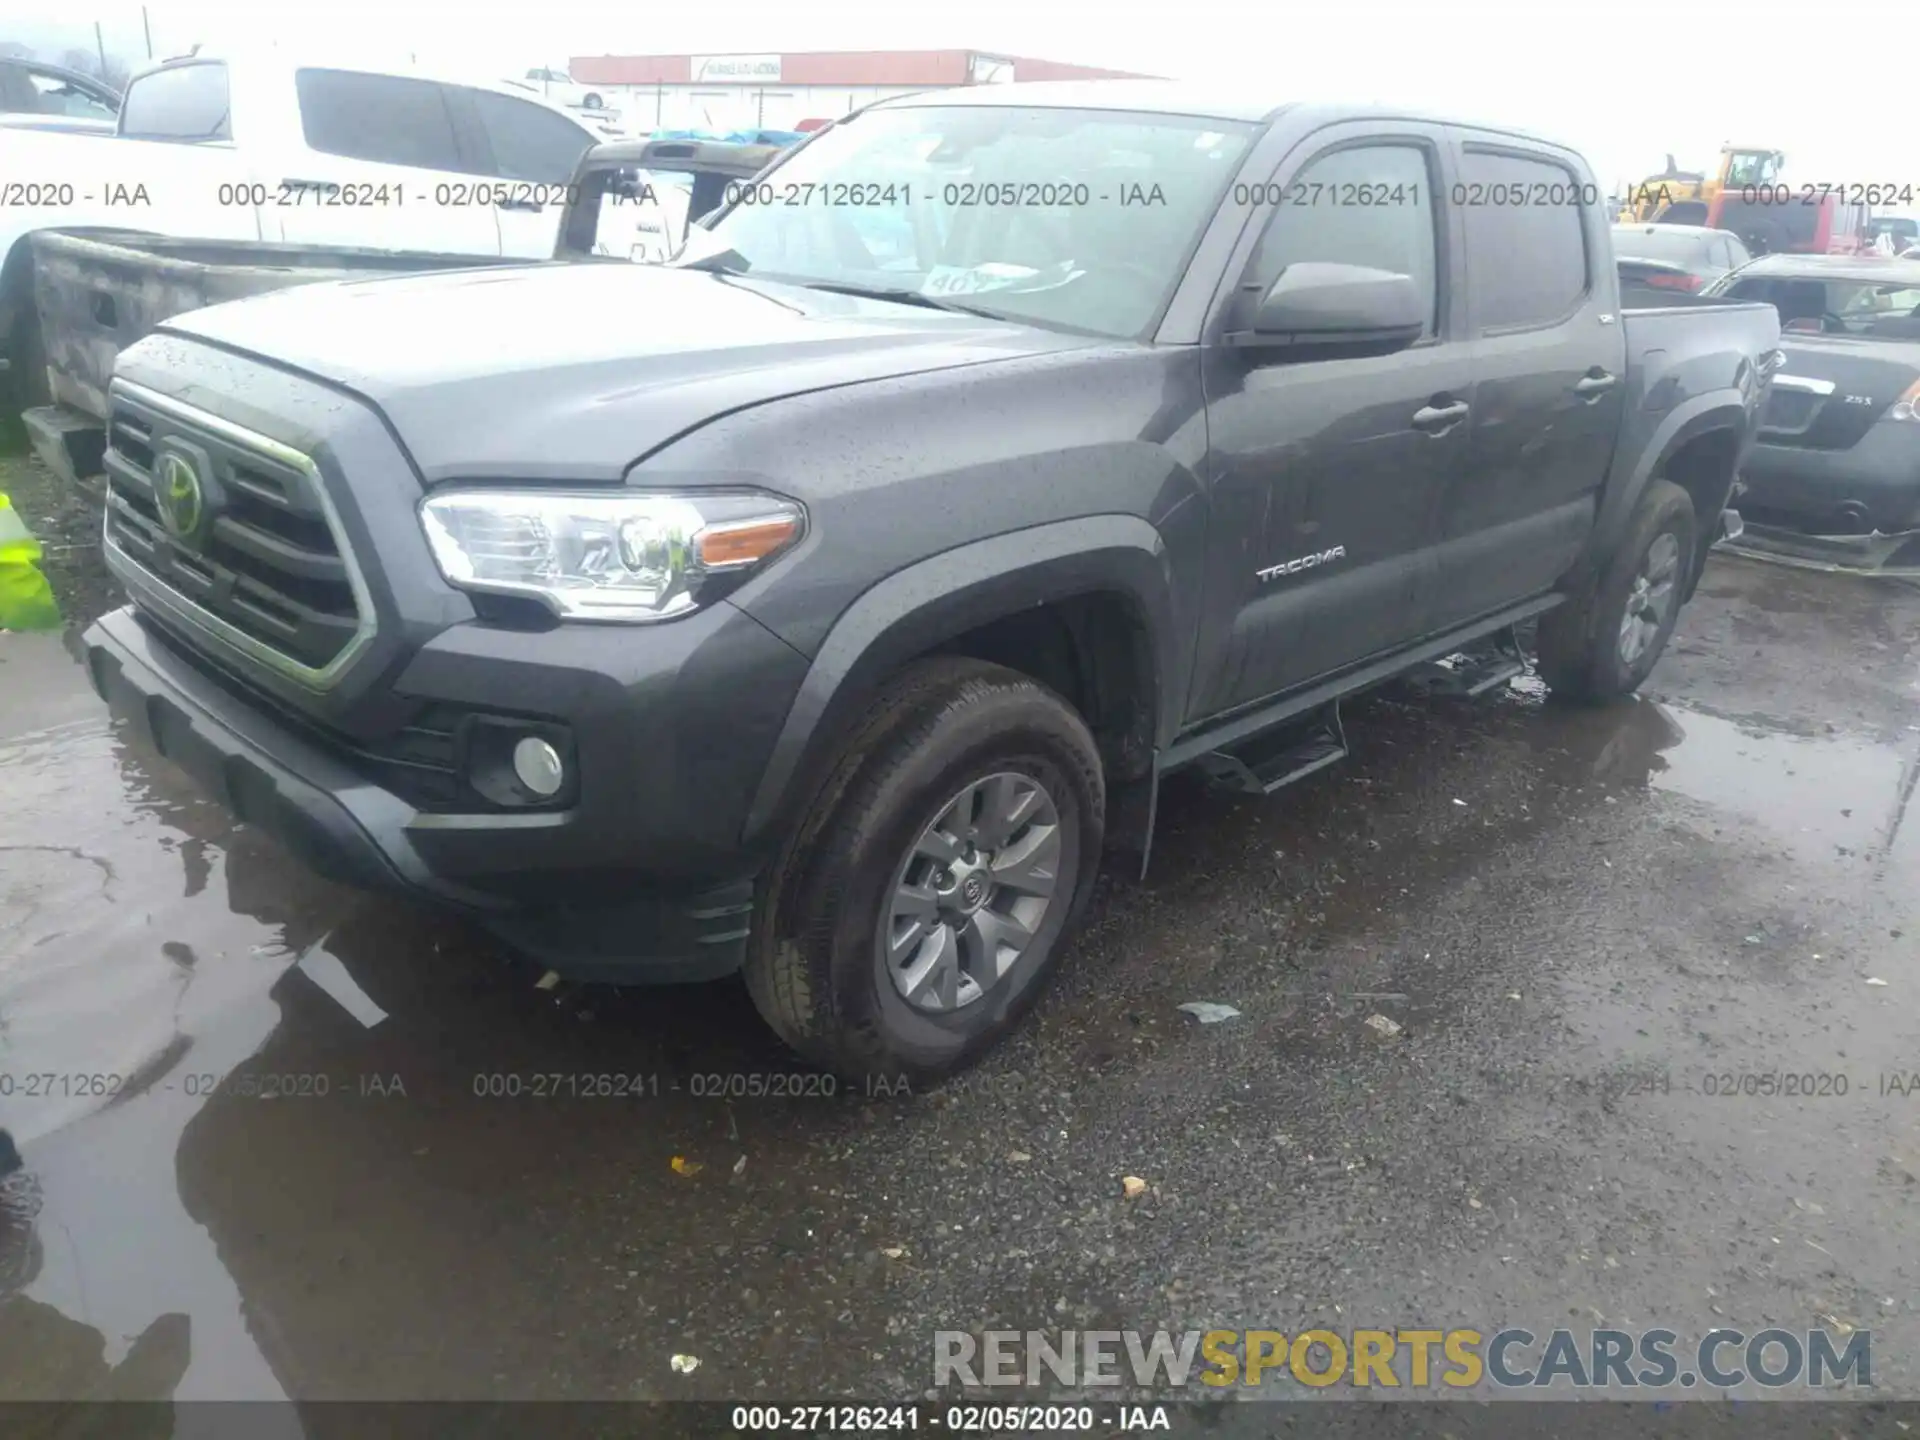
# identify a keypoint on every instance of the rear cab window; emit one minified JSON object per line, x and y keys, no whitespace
{"x":1525,"y":222}
{"x":182,"y":103}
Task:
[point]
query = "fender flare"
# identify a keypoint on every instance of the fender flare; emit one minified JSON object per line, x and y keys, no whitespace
{"x":933,"y":600}
{"x":1701,"y":415}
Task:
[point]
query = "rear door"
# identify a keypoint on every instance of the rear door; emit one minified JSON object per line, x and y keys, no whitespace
{"x":530,"y":151}
{"x":1326,"y":471}
{"x":1549,"y":353}
{"x":383,"y":168}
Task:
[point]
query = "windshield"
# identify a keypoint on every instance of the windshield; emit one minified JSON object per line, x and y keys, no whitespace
{"x":1640,"y":243}
{"x":1080,"y":219}
{"x":1859,"y":308}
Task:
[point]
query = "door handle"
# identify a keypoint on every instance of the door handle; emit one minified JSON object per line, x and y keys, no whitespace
{"x":1432,"y":418}
{"x":1595,"y":384}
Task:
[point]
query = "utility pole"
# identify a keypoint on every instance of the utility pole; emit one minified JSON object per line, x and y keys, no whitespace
{"x":100,"y":44}
{"x":147,"y":27}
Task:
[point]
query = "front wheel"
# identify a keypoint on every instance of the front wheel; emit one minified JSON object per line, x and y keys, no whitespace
{"x":1603,"y":644}
{"x":956,"y":849}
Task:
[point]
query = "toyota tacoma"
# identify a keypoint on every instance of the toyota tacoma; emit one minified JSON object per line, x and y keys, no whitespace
{"x":821,"y":604}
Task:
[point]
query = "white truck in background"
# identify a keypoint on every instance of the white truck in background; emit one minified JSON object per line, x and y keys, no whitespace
{"x":294,"y":155}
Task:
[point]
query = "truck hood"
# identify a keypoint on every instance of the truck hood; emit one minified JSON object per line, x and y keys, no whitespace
{"x":558,"y":372}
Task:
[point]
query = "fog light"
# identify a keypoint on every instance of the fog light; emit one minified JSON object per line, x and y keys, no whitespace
{"x":537,"y":764}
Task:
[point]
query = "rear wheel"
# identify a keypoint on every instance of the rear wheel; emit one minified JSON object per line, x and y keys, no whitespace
{"x":956,"y":848}
{"x":26,"y":361}
{"x":1603,"y":644}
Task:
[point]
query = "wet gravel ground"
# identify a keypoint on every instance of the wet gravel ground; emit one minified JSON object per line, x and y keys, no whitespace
{"x":1587,"y":924}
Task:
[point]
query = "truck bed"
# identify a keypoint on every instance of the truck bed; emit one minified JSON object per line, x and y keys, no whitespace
{"x":99,"y":291}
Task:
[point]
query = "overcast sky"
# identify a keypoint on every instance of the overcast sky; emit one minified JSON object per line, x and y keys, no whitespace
{"x":1624,"y":81}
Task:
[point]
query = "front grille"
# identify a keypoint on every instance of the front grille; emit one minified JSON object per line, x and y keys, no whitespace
{"x":266,"y":562}
{"x":418,"y":760}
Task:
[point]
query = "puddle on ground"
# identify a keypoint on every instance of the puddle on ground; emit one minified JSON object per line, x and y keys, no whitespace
{"x":1826,"y":798}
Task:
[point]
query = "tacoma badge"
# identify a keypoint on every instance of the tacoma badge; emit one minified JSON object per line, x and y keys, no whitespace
{"x":1304,"y":562}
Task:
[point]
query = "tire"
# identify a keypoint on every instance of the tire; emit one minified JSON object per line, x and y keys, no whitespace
{"x":1583,"y":650}
{"x":26,"y":379}
{"x":818,"y":972}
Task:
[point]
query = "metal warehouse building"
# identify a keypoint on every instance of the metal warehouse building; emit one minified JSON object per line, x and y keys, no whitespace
{"x":736,"y":92}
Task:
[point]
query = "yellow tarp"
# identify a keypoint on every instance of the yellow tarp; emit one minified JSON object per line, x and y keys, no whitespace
{"x":26,"y":600}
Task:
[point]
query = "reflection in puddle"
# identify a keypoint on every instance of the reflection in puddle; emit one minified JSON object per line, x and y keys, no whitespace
{"x":1826,"y":798}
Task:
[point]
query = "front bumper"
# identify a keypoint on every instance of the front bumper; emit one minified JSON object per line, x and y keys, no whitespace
{"x":353,"y":831}
{"x":383,"y":767}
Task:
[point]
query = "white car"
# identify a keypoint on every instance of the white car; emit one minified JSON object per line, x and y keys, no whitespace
{"x":561,"y":88}
{"x":295,"y":152}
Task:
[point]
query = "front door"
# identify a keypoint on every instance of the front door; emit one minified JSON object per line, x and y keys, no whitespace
{"x":1325,"y":469}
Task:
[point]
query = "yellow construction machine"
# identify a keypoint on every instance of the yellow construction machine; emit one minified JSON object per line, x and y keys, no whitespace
{"x":1684,"y":197}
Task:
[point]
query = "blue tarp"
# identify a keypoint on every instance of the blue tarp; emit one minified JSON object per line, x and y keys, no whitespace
{"x":732,"y":137}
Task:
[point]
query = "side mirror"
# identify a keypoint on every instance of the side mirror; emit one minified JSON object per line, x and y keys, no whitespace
{"x":1317,"y":303}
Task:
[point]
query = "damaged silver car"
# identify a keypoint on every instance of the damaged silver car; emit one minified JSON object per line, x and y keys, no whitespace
{"x":1834,"y":478}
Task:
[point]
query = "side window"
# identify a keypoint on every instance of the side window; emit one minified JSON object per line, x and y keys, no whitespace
{"x":58,"y":97}
{"x":1367,"y":205}
{"x":1526,"y":239}
{"x":1718,"y":254}
{"x":383,"y":118}
{"x":528,"y":142}
{"x":182,"y":102}
{"x":1737,"y":253}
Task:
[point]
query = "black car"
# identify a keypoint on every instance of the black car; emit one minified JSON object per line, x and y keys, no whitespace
{"x":1839,"y":445}
{"x":1675,"y":257}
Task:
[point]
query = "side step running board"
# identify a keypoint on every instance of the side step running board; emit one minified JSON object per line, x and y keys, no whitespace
{"x":1267,"y":762}
{"x":1477,"y":671}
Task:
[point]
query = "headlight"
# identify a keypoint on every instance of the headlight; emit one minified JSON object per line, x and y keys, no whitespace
{"x":625,"y":555}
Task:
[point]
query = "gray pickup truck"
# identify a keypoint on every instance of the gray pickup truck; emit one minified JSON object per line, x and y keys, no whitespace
{"x":821,"y":605}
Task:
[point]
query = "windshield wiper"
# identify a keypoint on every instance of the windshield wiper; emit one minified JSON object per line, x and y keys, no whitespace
{"x":897,"y":294}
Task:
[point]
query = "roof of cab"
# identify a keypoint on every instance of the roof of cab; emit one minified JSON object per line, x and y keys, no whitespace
{"x":1174,"y":97}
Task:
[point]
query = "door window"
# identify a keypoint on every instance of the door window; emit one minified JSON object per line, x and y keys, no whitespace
{"x":1526,"y":239}
{"x":383,"y":118}
{"x":1367,"y":205}
{"x":529,"y":142}
{"x":53,"y":96}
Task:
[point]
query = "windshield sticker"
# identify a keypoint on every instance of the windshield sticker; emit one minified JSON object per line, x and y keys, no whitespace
{"x":972,"y":279}
{"x":995,"y":275}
